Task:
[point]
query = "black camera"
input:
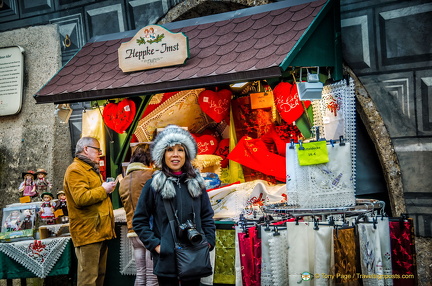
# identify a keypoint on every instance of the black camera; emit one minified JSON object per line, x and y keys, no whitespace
{"x":188,"y":229}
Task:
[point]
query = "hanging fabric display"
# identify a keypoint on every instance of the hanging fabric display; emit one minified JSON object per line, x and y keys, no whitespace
{"x":250,"y":257}
{"x":225,"y":252}
{"x":370,"y":255}
{"x":266,"y":273}
{"x":278,"y":252}
{"x":300,"y":245}
{"x":323,"y":185}
{"x":335,"y":115}
{"x":345,"y":257}
{"x":403,"y":252}
{"x":384,"y":236}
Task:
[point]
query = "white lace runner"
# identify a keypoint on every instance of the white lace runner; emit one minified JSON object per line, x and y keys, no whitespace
{"x":266,"y":275}
{"x":335,"y":115}
{"x":279,"y":258}
{"x":38,"y":256}
{"x":322,"y":185}
{"x":127,"y":259}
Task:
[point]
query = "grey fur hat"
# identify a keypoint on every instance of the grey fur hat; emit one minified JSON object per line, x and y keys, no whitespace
{"x":170,"y":136}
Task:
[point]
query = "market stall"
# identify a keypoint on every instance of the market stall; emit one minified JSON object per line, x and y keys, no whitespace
{"x":263,"y":93}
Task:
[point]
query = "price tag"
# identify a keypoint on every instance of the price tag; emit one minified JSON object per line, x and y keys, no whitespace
{"x":261,"y":100}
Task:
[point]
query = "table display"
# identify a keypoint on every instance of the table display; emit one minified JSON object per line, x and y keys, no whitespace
{"x":36,"y":258}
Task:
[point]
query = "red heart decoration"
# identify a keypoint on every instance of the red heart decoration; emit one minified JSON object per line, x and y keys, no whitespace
{"x":119,"y":116}
{"x":223,"y":151}
{"x":207,"y":144}
{"x":215,"y":103}
{"x":288,"y":103}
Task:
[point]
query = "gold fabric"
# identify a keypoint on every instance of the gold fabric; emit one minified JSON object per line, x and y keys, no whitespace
{"x":224,"y":270}
{"x":345,"y":257}
{"x":93,"y":126}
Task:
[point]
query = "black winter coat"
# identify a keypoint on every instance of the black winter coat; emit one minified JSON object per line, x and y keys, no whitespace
{"x":151,"y":223}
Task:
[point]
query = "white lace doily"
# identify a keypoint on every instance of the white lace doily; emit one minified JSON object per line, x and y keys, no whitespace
{"x":38,"y":256}
{"x":322,"y":185}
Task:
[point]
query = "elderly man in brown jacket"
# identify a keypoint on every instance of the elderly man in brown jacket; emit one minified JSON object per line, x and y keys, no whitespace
{"x":91,"y":218}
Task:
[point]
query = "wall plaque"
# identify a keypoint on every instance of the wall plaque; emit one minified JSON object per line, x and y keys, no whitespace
{"x":153,"y":47}
{"x":11,"y":80}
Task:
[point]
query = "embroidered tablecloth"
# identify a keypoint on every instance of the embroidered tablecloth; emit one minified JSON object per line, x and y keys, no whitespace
{"x":37,"y":256}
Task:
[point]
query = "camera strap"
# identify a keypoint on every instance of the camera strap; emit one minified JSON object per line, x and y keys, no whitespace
{"x":169,"y":211}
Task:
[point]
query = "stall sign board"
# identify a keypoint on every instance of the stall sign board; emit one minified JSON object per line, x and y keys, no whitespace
{"x":11,"y":80}
{"x":153,"y":47}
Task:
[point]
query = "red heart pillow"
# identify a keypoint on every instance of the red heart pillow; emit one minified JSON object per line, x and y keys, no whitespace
{"x":215,"y":104}
{"x":119,"y":116}
{"x":288,"y":103}
{"x":207,"y":144}
{"x":223,"y":151}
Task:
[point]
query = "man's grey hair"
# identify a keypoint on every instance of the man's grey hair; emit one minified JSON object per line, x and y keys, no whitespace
{"x":84,"y":142}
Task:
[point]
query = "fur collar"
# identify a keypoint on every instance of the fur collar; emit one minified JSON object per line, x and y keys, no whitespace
{"x":165,"y":185}
{"x":136,"y":166}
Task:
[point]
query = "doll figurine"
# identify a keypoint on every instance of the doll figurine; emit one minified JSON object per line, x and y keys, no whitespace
{"x":27,"y":221}
{"x":62,"y":205}
{"x":41,"y":182}
{"x":46,"y":212}
{"x":12,"y":221}
{"x":28,"y":187}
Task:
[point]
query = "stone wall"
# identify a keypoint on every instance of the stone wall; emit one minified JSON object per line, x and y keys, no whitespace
{"x":33,"y":138}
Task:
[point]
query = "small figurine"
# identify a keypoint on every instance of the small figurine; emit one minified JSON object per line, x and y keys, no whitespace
{"x":41,"y":183}
{"x":62,"y":205}
{"x":12,"y":221}
{"x":28,"y":187}
{"x":46,"y":212}
{"x":27,"y":221}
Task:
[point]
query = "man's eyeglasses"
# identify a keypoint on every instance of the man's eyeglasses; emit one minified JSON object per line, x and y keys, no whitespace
{"x":97,"y":149}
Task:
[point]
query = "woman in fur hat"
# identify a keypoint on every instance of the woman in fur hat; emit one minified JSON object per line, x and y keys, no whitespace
{"x":172,"y":151}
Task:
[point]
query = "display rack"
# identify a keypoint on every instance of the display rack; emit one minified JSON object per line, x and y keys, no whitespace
{"x":363,"y":207}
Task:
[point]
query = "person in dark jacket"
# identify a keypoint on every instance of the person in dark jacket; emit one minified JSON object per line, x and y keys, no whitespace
{"x":172,"y":151}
